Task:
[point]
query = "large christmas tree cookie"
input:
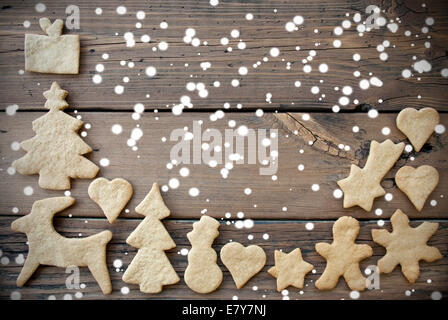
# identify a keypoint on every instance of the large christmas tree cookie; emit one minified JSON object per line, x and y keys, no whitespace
{"x":55,"y":153}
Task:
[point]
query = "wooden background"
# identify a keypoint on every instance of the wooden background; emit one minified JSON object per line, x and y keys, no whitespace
{"x":324,"y":162}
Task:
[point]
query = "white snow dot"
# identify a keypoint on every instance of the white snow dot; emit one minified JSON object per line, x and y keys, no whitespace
{"x":104,"y":162}
{"x":40,"y":7}
{"x":290,"y":26}
{"x":298,"y":20}
{"x":309,"y":226}
{"x":184,"y":172}
{"x":124,"y":290}
{"x":337,"y":193}
{"x":119,"y":89}
{"x":121,"y":10}
{"x":28,"y":190}
{"x":151,"y":71}
{"x":173,"y":183}
{"x":193,"y":192}
{"x":242,"y":71}
{"x":315,"y":187}
{"x":323,"y":67}
{"x":373,"y":113}
{"x":274,"y":52}
{"x":385,"y":131}
{"x":354,"y":295}
{"x":117,"y":129}
{"x":440,"y":129}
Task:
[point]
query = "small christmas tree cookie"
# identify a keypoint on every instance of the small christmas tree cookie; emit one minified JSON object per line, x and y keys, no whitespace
{"x":55,"y":153}
{"x":151,"y":268}
{"x":52,"y":53}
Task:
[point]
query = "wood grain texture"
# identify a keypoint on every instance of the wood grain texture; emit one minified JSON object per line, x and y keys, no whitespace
{"x":324,"y":164}
{"x":320,"y":137}
{"x":285,"y":235}
{"x":266,"y":30}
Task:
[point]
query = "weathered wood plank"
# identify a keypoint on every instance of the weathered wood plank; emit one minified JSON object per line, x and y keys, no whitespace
{"x":282,"y":235}
{"x":324,"y":164}
{"x":267,"y":30}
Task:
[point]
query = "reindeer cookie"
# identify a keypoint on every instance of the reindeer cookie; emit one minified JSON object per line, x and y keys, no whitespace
{"x":48,"y":247}
{"x":52,"y":53}
{"x":203,"y":274}
{"x":343,"y":256}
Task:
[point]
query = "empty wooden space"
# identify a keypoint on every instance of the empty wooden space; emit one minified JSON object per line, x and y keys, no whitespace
{"x":310,"y":136}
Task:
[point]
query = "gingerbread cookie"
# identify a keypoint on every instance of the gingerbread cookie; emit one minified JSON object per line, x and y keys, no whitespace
{"x":417,"y":184}
{"x":242,"y":262}
{"x":47,"y":247}
{"x":418,"y":125}
{"x":111,"y":196}
{"x":53,"y":53}
{"x":343,"y":256}
{"x":406,"y":246}
{"x":55,"y":153}
{"x":151,"y":268}
{"x":362,"y":186}
{"x":203,"y":274}
{"x":290,"y":269}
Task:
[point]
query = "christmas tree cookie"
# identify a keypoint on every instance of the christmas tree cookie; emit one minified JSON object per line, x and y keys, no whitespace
{"x":55,"y":153}
{"x":151,"y":268}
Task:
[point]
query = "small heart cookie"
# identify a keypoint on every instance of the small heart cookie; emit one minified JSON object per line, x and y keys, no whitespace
{"x":418,"y":183}
{"x":242,"y":262}
{"x":418,"y":125}
{"x":111,"y":196}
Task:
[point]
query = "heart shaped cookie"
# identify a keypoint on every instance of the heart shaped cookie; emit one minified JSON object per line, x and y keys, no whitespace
{"x":242,"y":262}
{"x":111,"y":196}
{"x":418,"y":125}
{"x":418,"y":183}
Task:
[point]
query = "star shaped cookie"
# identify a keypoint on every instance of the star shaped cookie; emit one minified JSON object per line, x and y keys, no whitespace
{"x":343,"y":256}
{"x":362,"y":186}
{"x":406,"y":246}
{"x":55,"y":97}
{"x":290,"y":269}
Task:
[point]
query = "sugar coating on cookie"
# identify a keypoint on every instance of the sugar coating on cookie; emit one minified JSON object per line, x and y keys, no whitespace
{"x":343,"y":256}
{"x":362,"y":186}
{"x":406,"y":246}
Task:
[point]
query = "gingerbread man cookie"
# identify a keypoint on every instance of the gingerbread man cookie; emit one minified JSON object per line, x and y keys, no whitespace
{"x":343,"y":256}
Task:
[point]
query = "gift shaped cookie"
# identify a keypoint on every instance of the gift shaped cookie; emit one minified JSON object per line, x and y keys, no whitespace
{"x":52,"y":53}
